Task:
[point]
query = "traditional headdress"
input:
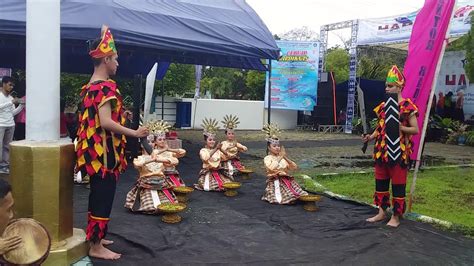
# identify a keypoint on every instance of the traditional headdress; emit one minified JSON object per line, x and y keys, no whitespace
{"x":230,"y":122}
{"x":272,"y":131}
{"x":210,"y":126}
{"x":158,"y":128}
{"x":106,"y":45}
{"x":395,"y":77}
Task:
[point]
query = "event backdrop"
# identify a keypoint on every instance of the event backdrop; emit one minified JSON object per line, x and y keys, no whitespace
{"x":398,"y":28}
{"x":295,"y":76}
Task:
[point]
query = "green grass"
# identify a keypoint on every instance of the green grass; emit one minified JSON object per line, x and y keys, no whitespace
{"x":446,"y":194}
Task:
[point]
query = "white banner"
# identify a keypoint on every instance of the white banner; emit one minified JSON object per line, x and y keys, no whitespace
{"x":398,"y":28}
{"x":452,"y":78}
{"x":149,"y":87}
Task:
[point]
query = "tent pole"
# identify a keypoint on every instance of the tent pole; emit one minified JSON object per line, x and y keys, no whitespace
{"x":163,"y":99}
{"x":269,"y":90}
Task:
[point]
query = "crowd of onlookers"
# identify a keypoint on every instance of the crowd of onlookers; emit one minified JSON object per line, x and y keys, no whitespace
{"x":449,"y":106}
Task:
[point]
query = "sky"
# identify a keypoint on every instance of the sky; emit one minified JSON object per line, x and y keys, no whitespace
{"x":281,"y":16}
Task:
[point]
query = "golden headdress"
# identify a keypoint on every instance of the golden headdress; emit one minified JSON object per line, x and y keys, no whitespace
{"x":158,"y":128}
{"x":210,"y":126}
{"x":272,"y":131}
{"x":230,"y":122}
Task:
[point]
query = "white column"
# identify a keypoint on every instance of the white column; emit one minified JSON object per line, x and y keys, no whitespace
{"x":42,"y":69}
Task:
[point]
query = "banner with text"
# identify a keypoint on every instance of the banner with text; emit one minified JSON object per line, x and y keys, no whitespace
{"x":398,"y":28}
{"x":424,"y":51}
{"x":295,"y":76}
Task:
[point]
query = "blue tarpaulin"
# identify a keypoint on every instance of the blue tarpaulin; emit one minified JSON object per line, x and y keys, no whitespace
{"x":224,"y":33}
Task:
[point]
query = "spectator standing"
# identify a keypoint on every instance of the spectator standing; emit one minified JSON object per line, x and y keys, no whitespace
{"x":440,"y":105}
{"x":7,"y":123}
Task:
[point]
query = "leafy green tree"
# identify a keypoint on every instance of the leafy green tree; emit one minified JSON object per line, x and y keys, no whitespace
{"x":179,"y":79}
{"x":469,"y":47}
{"x":255,"y":82}
{"x":232,"y":83}
{"x":458,"y":44}
{"x":375,"y":61}
{"x":337,"y":61}
{"x":70,"y":88}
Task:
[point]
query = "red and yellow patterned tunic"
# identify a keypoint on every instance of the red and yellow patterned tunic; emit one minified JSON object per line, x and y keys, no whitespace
{"x":100,"y":151}
{"x":407,"y":109}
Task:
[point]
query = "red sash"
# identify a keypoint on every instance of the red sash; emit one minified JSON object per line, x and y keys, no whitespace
{"x":217,"y":177}
{"x":288,"y":184}
{"x":175,"y":180}
{"x":168,"y":195}
{"x":237,"y":164}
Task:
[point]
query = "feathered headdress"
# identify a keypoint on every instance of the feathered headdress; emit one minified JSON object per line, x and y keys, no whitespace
{"x":210,"y":126}
{"x":106,"y":46}
{"x":272,"y":131}
{"x":158,"y":128}
{"x":394,"y":76}
{"x":230,"y":122}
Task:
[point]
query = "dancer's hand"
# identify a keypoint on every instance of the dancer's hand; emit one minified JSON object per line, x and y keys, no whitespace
{"x":9,"y":243}
{"x":367,"y":137}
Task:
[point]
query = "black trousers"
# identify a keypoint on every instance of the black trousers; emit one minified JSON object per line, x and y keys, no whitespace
{"x":101,"y":199}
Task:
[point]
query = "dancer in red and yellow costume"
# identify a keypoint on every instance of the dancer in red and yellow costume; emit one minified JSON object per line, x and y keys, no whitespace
{"x":101,"y":141}
{"x":153,"y":187}
{"x":388,"y":167}
{"x":210,"y":176}
{"x":230,"y":147}
{"x":281,"y":186}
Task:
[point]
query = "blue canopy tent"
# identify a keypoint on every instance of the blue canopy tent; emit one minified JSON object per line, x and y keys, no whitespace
{"x":225,"y":33}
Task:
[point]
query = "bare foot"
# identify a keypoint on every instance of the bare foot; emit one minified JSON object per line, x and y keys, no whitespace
{"x":101,"y":252}
{"x":394,"y":221}
{"x":379,"y":217}
{"x":106,"y":242}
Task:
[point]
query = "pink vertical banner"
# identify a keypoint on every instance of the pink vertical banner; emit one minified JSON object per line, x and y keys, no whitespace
{"x":424,"y":51}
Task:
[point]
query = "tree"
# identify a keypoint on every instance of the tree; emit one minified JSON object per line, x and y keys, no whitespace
{"x":255,"y":82}
{"x":337,"y":61}
{"x":70,"y":88}
{"x":469,"y":47}
{"x":231,"y":83}
{"x":300,"y":34}
{"x":375,"y":61}
{"x":179,"y":79}
{"x":218,"y":81}
{"x":458,"y":44}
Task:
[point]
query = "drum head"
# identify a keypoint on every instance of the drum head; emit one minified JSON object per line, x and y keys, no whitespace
{"x":36,"y":242}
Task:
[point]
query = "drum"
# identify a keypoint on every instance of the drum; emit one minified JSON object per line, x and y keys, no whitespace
{"x":36,"y":242}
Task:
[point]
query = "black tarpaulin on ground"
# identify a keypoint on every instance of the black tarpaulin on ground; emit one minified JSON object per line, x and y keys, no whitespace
{"x":246,"y":230}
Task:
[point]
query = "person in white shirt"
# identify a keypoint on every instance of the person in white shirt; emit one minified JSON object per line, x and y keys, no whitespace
{"x":7,"y":122}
